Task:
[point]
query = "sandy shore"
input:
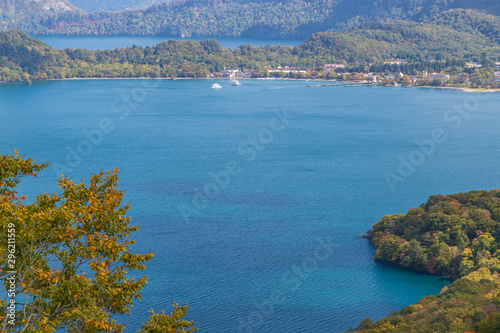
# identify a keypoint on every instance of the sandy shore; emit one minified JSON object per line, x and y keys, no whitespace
{"x":469,"y":90}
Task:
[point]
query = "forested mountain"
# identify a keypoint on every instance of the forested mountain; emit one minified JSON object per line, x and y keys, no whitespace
{"x":278,"y":19}
{"x":469,"y":21}
{"x":405,"y":40}
{"x":28,"y":14}
{"x":455,"y":34}
{"x":199,"y":18}
{"x":113,"y":5}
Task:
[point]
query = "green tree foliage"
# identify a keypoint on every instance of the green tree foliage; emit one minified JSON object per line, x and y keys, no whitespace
{"x":414,"y":42}
{"x":173,"y":323}
{"x":469,"y":304}
{"x":490,"y":325}
{"x":28,"y":15}
{"x":449,"y":235}
{"x":455,"y":235}
{"x":71,"y":257}
{"x":23,"y":58}
{"x":183,"y":18}
{"x":365,"y":324}
{"x":270,"y":18}
{"x":469,"y":21}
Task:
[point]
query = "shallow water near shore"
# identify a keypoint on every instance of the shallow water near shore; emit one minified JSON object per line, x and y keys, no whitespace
{"x":254,"y":198}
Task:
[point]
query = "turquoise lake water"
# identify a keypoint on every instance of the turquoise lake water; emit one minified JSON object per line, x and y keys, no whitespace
{"x":308,"y":166}
{"x":112,"y":42}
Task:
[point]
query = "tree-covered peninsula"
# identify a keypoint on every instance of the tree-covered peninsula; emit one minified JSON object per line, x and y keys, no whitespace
{"x":449,"y":235}
{"x":457,"y":236}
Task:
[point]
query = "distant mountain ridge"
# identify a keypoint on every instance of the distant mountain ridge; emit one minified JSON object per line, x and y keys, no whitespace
{"x":22,"y":7}
{"x":251,"y":18}
{"x":28,"y":14}
{"x":469,"y":21}
{"x":406,"y":40}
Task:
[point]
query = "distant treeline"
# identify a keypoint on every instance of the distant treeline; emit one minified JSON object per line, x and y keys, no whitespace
{"x":23,"y":58}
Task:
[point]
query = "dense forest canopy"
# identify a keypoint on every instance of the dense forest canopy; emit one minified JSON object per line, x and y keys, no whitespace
{"x":469,"y":21}
{"x":449,"y":235}
{"x":22,"y":57}
{"x":278,"y":19}
{"x":454,"y":235}
{"x":27,"y":15}
{"x":397,"y":39}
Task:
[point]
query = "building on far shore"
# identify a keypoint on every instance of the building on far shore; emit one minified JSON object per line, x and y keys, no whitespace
{"x":230,"y":73}
{"x":497,"y":77}
{"x":474,"y":65}
{"x":287,"y":71}
{"x":439,"y":76}
{"x":394,"y":62}
{"x":334,"y":66}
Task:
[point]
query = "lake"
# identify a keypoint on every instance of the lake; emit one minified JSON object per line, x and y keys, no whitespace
{"x":254,"y":198}
{"x":112,"y":42}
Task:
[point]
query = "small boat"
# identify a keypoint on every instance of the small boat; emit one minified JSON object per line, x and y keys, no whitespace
{"x":216,"y":86}
{"x":235,"y":83}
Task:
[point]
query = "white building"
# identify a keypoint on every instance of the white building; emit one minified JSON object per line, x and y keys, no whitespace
{"x":334,"y":66}
{"x":394,"y":62}
{"x":497,"y":77}
{"x":439,"y":76}
{"x":474,"y":65}
{"x":230,"y":73}
{"x":286,"y":71}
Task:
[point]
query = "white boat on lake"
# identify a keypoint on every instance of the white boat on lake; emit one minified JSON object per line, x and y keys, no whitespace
{"x":216,"y":86}
{"x":235,"y":83}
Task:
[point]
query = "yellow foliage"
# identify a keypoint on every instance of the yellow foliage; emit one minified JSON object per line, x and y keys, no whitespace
{"x":482,"y":273}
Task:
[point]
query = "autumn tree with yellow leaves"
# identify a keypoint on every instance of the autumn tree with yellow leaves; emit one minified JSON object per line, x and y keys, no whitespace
{"x":65,"y":258}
